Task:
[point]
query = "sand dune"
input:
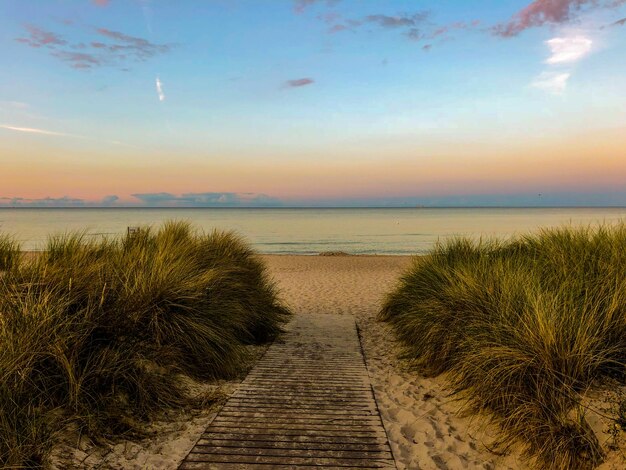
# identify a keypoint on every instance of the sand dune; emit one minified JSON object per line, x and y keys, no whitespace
{"x":425,"y":425}
{"x":422,"y":421}
{"x":427,"y":428}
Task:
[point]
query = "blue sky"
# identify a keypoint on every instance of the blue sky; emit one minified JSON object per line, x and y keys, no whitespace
{"x":282,"y":102}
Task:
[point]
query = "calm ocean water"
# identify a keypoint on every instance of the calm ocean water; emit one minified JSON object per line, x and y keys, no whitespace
{"x":310,"y":231}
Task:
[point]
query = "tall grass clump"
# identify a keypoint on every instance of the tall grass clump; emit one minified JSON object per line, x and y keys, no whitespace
{"x":9,"y":253}
{"x":523,"y":329}
{"x":97,"y":333}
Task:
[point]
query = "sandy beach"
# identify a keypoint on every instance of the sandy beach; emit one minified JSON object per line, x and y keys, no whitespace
{"x":427,"y":428}
{"x":423,"y":422}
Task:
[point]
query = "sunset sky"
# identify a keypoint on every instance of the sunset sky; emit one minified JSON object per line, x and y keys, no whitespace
{"x":312,"y":102}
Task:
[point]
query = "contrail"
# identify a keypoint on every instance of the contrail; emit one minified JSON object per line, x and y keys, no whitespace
{"x":32,"y":130}
{"x":159,"y":89}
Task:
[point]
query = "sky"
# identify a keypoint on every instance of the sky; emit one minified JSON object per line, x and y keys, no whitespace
{"x":312,"y":102}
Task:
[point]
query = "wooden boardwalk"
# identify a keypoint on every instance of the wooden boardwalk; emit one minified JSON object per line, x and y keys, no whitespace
{"x":307,"y":403}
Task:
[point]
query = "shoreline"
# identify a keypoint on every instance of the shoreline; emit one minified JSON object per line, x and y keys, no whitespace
{"x":306,"y":255}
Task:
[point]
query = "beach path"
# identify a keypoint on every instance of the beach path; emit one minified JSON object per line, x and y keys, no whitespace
{"x":307,"y":403}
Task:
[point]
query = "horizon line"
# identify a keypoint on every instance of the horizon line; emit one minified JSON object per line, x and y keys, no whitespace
{"x":325,"y":207}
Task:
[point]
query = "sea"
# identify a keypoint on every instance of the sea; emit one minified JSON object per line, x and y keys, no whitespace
{"x":387,"y":231}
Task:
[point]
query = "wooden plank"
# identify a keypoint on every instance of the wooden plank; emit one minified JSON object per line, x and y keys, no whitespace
{"x":310,"y":439}
{"x":301,"y":432}
{"x":210,"y":450}
{"x":280,"y":460}
{"x":316,"y":420}
{"x":296,"y":413}
{"x":266,"y":466}
{"x":308,"y":403}
{"x":367,"y":447}
{"x":365,"y":408}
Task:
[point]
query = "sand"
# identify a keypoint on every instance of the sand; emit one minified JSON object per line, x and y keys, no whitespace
{"x":426,"y":426}
{"x":422,"y":422}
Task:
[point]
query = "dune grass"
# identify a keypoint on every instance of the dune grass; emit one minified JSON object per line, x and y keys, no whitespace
{"x":523,"y":330}
{"x":97,"y":333}
{"x":9,"y":253}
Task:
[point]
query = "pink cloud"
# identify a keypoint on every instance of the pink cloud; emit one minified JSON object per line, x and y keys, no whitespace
{"x":101,"y":3}
{"x":139,"y":48}
{"x":299,"y":82}
{"x":39,"y":37}
{"x":119,"y":48}
{"x":459,"y":25}
{"x":301,"y":5}
{"x":79,"y":60}
{"x":408,"y":22}
{"x":337,"y":28}
{"x":541,"y":12}
{"x":399,"y":21}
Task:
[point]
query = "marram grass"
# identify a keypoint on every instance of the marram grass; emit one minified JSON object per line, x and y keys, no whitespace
{"x":9,"y":253}
{"x":523,"y":329}
{"x":96,"y":333}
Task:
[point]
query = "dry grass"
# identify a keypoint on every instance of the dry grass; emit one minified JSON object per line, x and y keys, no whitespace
{"x":96,"y":333}
{"x":9,"y":253}
{"x":523,"y":329}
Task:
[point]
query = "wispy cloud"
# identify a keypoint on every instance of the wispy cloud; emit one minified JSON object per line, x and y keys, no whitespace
{"x":398,"y":21}
{"x":64,"y":201}
{"x":31,"y":130}
{"x":568,"y":49}
{"x":139,"y":48}
{"x":540,"y":12}
{"x":405,"y":21}
{"x":420,"y":28}
{"x":410,"y":24}
{"x":46,"y":132}
{"x":300,"y":5}
{"x":299,"y":82}
{"x":564,"y":51}
{"x":455,"y":26}
{"x":101,"y":3}
{"x":79,"y":60}
{"x":118,"y":50}
{"x":416,"y":26}
{"x":162,"y":199}
{"x":159,"y":89}
{"x":552,"y":82}
{"x":38,"y":37}
{"x":208,"y":199}
{"x":439,"y":33}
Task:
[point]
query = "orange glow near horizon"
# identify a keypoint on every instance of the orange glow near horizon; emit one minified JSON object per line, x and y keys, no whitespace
{"x":586,"y":163}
